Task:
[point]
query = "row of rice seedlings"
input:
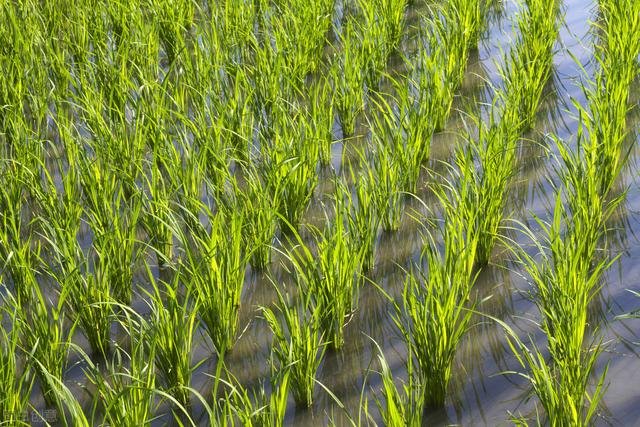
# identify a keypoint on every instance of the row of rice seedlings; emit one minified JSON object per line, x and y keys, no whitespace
{"x":608,"y":95}
{"x":527,"y":70}
{"x":402,"y":131}
{"x":566,"y":280}
{"x":436,"y":309}
{"x":571,"y":272}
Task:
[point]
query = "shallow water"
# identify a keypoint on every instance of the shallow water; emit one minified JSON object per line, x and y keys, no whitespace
{"x":480,"y":394}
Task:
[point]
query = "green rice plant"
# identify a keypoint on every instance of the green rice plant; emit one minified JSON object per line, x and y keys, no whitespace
{"x":157,"y":216}
{"x":531,"y":59}
{"x":432,"y":80}
{"x":19,"y":253}
{"x":495,"y":151}
{"x":48,"y":336}
{"x":556,"y":396}
{"x":437,"y":308}
{"x":363,"y":220}
{"x":374,"y":42}
{"x":113,"y":220}
{"x":92,"y":308}
{"x":171,"y":328}
{"x":260,"y":218}
{"x":391,"y":181}
{"x":347,"y":73}
{"x":238,"y":406}
{"x":299,"y":31}
{"x":387,"y":135}
{"x":127,"y":392}
{"x":401,"y":407}
{"x":288,"y":167}
{"x":339,"y":262}
{"x":604,"y":118}
{"x":16,"y":381}
{"x":566,"y":279}
{"x":186,"y":175}
{"x":298,"y":343}
{"x":391,"y":13}
{"x":320,"y":117}
{"x":213,"y":269}
{"x":74,"y":413}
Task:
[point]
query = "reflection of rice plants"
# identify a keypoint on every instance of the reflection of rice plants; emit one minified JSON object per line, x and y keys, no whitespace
{"x":156,"y":155}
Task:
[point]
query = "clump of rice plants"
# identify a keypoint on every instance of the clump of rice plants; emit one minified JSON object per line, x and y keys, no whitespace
{"x":347,"y":72}
{"x":338,"y":262}
{"x":436,"y":306}
{"x":531,"y":60}
{"x":363,"y":220}
{"x":260,"y":217}
{"x":401,"y":406}
{"x":113,"y":218}
{"x":157,"y":216}
{"x":298,"y":343}
{"x":213,"y":269}
{"x":604,"y":118}
{"x":320,"y":117}
{"x":288,"y":165}
{"x":495,"y":149}
{"x":242,"y":408}
{"x":16,"y":381}
{"x":128,"y":393}
{"x":172,"y":327}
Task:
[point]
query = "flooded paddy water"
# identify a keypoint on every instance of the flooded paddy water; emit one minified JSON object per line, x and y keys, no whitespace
{"x":485,"y":389}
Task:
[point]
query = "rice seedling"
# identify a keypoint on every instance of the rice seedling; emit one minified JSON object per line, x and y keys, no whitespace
{"x":437,"y":308}
{"x":157,"y":216}
{"x":260,"y":217}
{"x":495,"y":150}
{"x":171,"y":328}
{"x":363,"y":220}
{"x":531,"y":59}
{"x":374,"y":42}
{"x":320,"y":117}
{"x":604,"y":118}
{"x":240,"y":407}
{"x":128,"y":393}
{"x":404,"y":406}
{"x":338,"y":261}
{"x":563,"y":405}
{"x":387,"y":135}
{"x":347,"y":73}
{"x":288,"y":167}
{"x":213,"y":269}
{"x":16,"y":381}
{"x":48,"y":336}
{"x":298,"y":343}
{"x":113,"y":220}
